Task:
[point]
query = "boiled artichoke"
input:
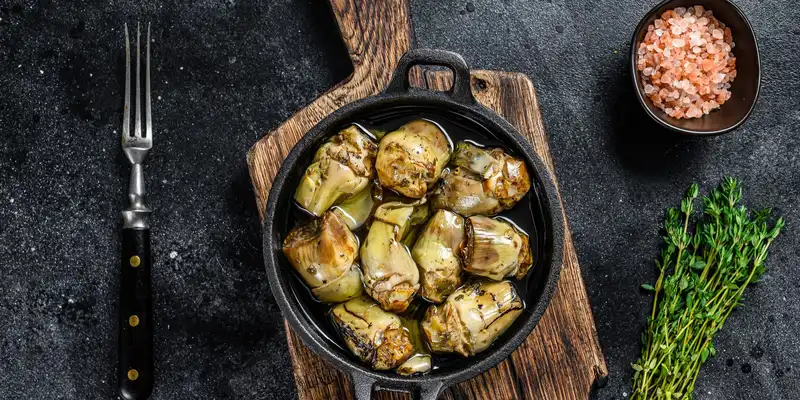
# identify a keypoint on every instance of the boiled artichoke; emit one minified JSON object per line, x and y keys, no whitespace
{"x":495,"y":248}
{"x":323,"y":252}
{"x":355,"y":210}
{"x":405,"y":216}
{"x":411,"y":158}
{"x":472,"y":317}
{"x":482,"y":181}
{"x":390,"y":274}
{"x":343,"y":288}
{"x":375,"y":336}
{"x":462,"y":191}
{"x":420,"y":361}
{"x":436,"y":252}
{"x":343,"y":166}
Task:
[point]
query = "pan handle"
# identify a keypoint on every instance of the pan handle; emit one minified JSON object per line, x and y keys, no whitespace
{"x":364,"y":386}
{"x":460,"y":91}
{"x":429,"y":391}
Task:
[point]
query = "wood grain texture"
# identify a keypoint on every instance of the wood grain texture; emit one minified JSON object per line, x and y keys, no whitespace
{"x":562,"y":358}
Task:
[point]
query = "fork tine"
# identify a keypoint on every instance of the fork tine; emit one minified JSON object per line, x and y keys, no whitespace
{"x":147,"y":120}
{"x":137,"y":130}
{"x":126,"y":112}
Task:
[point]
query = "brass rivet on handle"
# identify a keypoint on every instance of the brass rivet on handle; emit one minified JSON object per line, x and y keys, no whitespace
{"x":133,"y":374}
{"x":133,"y":320}
{"x":135,"y":261}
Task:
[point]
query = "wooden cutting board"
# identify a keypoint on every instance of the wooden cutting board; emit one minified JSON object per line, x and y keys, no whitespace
{"x":562,"y":358}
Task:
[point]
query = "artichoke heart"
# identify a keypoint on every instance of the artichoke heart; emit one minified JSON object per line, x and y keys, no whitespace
{"x":462,"y":191}
{"x":343,"y":166}
{"x":373,"y":335}
{"x":420,"y":361}
{"x":405,"y":216}
{"x":390,"y":274}
{"x":472,"y":317}
{"x":483,"y":181}
{"x":355,"y":210}
{"x":323,"y":252}
{"x":343,"y":288}
{"x":436,"y":252}
{"x":495,"y":248}
{"x":411,"y":158}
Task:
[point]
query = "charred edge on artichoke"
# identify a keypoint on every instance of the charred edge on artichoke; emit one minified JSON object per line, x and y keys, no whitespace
{"x":394,"y":350}
{"x":364,"y":348}
{"x":525,"y":257}
{"x":467,"y":249}
{"x":303,"y":233}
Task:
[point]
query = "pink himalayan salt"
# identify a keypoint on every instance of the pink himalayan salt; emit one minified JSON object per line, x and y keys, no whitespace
{"x":686,"y":62}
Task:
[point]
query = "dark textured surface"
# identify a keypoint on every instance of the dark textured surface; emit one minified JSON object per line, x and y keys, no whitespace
{"x":227,"y":71}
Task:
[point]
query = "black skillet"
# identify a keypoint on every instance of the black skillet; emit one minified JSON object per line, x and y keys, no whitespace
{"x":459,"y":107}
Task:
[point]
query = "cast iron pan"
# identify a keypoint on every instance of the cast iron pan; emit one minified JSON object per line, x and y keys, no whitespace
{"x":456,"y":104}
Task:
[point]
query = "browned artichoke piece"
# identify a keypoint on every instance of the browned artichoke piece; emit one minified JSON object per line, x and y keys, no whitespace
{"x":417,"y":364}
{"x":409,"y":224}
{"x":462,"y":191}
{"x":405,"y":216}
{"x":472,"y":317}
{"x":323,"y":252}
{"x":343,"y":288}
{"x":481,"y":161}
{"x":342,"y":167}
{"x":390,"y":274}
{"x":495,"y":248}
{"x":375,"y":336}
{"x":411,"y":158}
{"x":505,"y":178}
{"x":420,"y":361}
{"x":484,"y":181}
{"x":436,"y":252}
{"x":353,"y":148}
{"x":356,"y":209}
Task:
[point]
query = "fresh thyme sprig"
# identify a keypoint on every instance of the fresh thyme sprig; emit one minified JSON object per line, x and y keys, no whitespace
{"x":702,"y":276}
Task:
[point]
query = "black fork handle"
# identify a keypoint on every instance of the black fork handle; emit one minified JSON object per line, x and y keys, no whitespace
{"x":135,"y":371}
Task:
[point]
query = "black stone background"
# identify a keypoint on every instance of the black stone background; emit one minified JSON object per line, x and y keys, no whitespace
{"x":225,"y":72}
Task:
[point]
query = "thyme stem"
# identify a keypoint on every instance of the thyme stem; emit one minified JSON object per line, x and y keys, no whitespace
{"x":702,"y":277}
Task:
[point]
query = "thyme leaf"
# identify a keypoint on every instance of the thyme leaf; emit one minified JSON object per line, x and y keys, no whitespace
{"x":702,"y":275}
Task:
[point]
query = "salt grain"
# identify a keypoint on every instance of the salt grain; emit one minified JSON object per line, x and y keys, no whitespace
{"x":686,"y":62}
